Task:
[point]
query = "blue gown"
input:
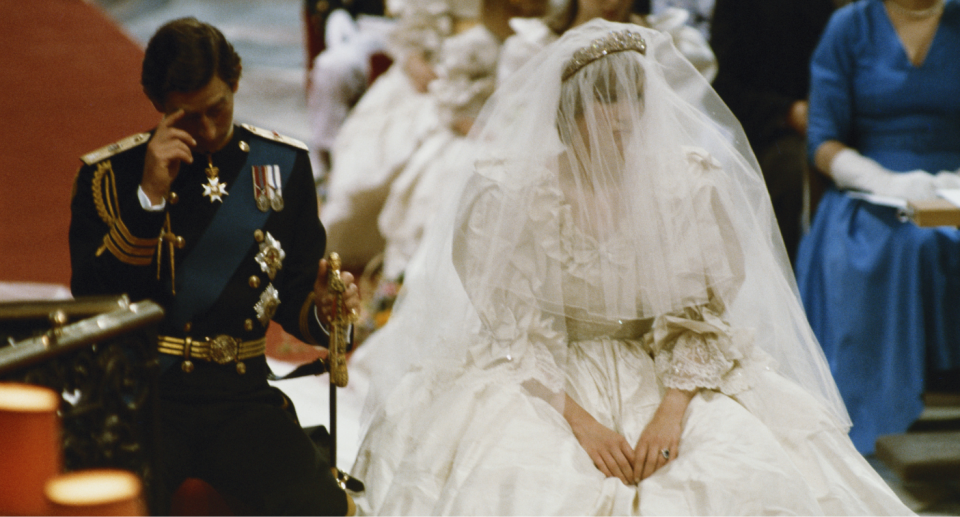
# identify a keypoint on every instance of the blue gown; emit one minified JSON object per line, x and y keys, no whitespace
{"x":883,"y":296}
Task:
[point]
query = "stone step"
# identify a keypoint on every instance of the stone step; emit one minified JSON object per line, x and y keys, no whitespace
{"x":922,"y":456}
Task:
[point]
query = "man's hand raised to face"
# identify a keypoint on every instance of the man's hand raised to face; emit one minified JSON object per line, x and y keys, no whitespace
{"x":167,"y":149}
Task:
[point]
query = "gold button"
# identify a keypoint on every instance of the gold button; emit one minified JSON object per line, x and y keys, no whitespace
{"x":241,"y":368}
{"x":254,"y":281}
{"x":187,"y":366}
{"x":180,"y":242}
{"x":258,"y":235}
{"x":248,"y":325}
{"x":186,"y":328}
{"x":173,"y":198}
{"x":244,"y":146}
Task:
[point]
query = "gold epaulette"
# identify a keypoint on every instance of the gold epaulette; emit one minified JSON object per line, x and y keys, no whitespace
{"x":276,"y":137}
{"x":114,"y":148}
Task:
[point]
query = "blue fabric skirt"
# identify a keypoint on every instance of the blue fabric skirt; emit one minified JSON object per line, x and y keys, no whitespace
{"x":883,"y":298}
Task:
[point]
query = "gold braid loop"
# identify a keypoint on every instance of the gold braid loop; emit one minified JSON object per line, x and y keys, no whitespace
{"x":104,"y":170}
{"x":105,"y":213}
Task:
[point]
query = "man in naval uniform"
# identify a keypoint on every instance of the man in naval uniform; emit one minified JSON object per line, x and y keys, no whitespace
{"x":219,"y":224}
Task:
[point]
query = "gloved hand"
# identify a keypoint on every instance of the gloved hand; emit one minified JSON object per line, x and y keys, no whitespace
{"x":850,"y":170}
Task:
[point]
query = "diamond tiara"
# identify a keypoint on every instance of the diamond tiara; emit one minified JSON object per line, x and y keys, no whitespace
{"x":613,"y":42}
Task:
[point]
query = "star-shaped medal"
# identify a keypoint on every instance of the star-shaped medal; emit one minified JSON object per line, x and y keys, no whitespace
{"x":214,"y":190}
{"x":271,"y":256}
{"x":266,"y":307}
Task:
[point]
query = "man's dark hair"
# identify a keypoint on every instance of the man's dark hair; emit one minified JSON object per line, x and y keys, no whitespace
{"x":183,"y":56}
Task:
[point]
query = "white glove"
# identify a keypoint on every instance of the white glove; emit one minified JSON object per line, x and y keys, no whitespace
{"x":850,"y":170}
{"x":947,"y":179}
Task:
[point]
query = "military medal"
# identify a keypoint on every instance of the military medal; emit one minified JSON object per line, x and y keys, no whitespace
{"x":266,"y":307}
{"x":213,"y":188}
{"x":260,"y":187}
{"x":274,"y":191}
{"x":271,"y":256}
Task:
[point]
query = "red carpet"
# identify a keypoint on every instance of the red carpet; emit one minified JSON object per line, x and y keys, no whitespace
{"x":70,"y":84}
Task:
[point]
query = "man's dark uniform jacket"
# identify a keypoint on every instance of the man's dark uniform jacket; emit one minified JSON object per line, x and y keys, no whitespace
{"x":118,"y":247}
{"x":115,"y":244}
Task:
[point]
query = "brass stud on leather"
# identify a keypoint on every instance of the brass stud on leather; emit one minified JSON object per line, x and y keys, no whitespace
{"x":258,"y":235}
{"x":254,"y":281}
{"x":241,"y":368}
{"x":173,"y":198}
{"x":248,"y":325}
{"x":186,"y":366}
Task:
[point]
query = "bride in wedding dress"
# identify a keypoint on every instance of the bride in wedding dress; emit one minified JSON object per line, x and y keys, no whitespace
{"x":604,"y":320}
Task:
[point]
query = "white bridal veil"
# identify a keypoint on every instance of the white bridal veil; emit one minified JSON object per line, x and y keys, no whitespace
{"x":611,"y":132}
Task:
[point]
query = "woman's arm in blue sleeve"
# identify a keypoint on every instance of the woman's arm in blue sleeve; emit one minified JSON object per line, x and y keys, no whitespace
{"x":832,"y":70}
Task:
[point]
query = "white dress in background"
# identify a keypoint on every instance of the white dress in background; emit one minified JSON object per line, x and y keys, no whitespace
{"x":474,"y":440}
{"x":383,"y":130}
{"x":467,"y":77}
{"x":701,"y":12}
{"x":339,"y":77}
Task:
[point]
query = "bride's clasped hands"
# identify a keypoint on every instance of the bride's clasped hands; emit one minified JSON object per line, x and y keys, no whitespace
{"x":659,"y":443}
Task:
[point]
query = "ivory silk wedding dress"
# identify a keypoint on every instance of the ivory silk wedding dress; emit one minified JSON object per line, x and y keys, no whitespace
{"x":613,"y":240}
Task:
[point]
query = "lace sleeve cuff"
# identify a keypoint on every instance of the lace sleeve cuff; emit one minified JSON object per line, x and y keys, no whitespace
{"x":697,"y":349}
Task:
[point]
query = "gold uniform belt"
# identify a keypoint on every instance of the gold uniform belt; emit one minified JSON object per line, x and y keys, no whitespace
{"x":221,"y":349}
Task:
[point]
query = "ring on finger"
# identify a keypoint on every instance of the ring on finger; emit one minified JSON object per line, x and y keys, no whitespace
{"x":665,"y":453}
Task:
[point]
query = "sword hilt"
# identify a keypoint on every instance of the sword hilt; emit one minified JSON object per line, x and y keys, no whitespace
{"x":338,"y":324}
